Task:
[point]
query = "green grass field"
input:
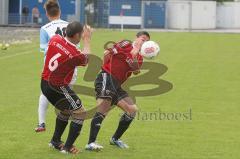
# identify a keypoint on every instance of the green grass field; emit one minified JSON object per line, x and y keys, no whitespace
{"x":203,"y":68}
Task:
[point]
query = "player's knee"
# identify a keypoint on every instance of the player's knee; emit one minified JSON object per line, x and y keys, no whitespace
{"x":79,"y":114}
{"x":132,"y":110}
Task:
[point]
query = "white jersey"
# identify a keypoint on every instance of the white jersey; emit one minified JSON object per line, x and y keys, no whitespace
{"x":49,"y":30}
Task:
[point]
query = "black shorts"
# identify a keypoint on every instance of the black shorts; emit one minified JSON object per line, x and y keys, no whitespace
{"x":107,"y":87}
{"x":63,"y":98}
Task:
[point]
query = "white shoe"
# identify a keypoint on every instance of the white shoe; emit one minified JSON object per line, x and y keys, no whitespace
{"x":93,"y":147}
{"x":64,"y":151}
{"x":118,"y":143}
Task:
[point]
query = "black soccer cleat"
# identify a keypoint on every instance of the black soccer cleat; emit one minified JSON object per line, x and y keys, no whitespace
{"x":56,"y":145}
{"x":73,"y":150}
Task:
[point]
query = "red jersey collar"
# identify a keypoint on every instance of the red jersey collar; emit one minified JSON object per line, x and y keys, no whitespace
{"x":70,"y":42}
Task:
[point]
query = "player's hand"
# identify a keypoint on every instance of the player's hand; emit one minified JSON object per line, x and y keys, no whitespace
{"x":87,"y":33}
{"x":137,"y":46}
{"x":86,"y":37}
{"x":138,"y":43}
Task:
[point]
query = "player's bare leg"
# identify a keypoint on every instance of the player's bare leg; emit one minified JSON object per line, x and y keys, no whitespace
{"x":130,"y":109}
{"x":103,"y":107}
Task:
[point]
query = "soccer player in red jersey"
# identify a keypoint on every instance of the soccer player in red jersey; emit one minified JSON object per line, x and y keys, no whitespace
{"x":61,"y":59}
{"x":120,"y":62}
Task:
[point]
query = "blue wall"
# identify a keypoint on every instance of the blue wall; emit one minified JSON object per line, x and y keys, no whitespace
{"x":116,"y":7}
{"x":13,"y":16}
{"x":67,"y":7}
{"x":13,"y":6}
{"x":154,"y":16}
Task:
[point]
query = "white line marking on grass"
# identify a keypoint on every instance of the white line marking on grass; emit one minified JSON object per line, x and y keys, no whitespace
{"x":10,"y":56}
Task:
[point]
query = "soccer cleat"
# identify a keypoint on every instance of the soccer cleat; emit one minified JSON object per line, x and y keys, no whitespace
{"x":40,"y":128}
{"x":118,"y":143}
{"x":93,"y":147}
{"x":56,"y":145}
{"x":72,"y":150}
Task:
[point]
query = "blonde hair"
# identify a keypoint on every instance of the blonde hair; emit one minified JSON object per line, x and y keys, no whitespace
{"x":52,"y":8}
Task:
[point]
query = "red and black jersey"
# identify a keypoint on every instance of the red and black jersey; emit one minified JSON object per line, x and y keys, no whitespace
{"x":61,"y":60}
{"x":120,"y":64}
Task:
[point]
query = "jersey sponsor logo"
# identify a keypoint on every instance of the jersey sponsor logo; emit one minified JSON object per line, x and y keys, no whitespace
{"x":63,"y":49}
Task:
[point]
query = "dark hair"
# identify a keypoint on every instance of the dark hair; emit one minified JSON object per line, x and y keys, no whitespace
{"x":74,"y":28}
{"x":143,"y":33}
{"x":52,"y":8}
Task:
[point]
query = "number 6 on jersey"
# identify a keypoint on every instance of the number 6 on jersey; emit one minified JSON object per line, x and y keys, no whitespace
{"x":53,"y":63}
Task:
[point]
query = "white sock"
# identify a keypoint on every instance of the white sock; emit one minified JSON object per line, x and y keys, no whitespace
{"x":42,"y":109}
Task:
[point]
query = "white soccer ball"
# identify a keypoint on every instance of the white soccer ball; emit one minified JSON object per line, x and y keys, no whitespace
{"x":149,"y":49}
{"x":4,"y":46}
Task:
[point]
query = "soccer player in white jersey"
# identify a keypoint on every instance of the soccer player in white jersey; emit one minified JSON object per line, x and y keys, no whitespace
{"x":55,"y":26}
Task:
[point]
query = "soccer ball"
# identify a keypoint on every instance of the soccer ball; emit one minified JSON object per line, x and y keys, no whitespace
{"x":4,"y":46}
{"x":149,"y":49}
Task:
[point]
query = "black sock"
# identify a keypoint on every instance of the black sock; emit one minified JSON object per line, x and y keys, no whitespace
{"x":124,"y":123}
{"x":74,"y":132}
{"x":95,"y":126}
{"x":59,"y":129}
